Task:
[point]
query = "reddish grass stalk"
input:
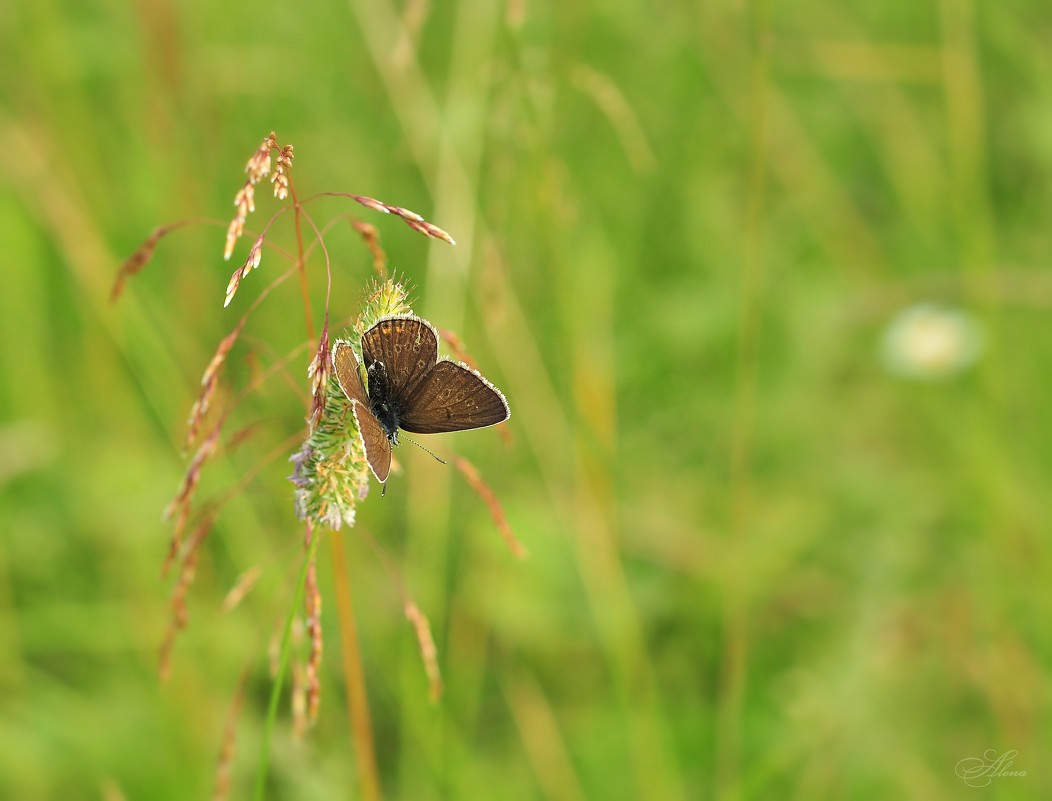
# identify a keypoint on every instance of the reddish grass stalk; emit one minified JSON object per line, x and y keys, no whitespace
{"x":471,"y":475}
{"x":371,"y":237}
{"x":428,"y":652}
{"x":421,"y":627}
{"x":354,"y":676}
{"x":301,"y":265}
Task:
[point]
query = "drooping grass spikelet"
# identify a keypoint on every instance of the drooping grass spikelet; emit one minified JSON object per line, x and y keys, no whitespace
{"x":193,"y":473}
{"x":258,"y":168}
{"x":280,"y":178}
{"x":200,"y":408}
{"x":176,"y":539}
{"x":244,"y":202}
{"x":411,"y":218}
{"x":318,"y":372}
{"x":210,"y":381}
{"x":139,"y":259}
{"x":187,"y":573}
{"x":255,"y":255}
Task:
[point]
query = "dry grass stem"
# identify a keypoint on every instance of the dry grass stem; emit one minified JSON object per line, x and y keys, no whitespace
{"x":427,"y":649}
{"x":177,"y":538}
{"x":457,"y":346}
{"x":199,"y":409}
{"x":181,"y":503}
{"x":209,"y":382}
{"x":179,"y":614}
{"x":242,"y":587}
{"x":298,"y":701}
{"x":421,"y":626}
{"x":471,"y":475}
{"x":241,"y":436}
{"x":193,"y":472}
{"x":225,"y":761}
{"x":139,"y":259}
{"x":371,"y":237}
{"x":312,"y":603}
{"x":274,"y":645}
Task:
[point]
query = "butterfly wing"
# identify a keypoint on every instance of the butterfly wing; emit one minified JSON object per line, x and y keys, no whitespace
{"x":377,"y":446}
{"x":453,"y":397}
{"x":408,"y":348}
{"x":345,"y":365}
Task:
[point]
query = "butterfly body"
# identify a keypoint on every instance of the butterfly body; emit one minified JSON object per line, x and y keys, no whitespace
{"x":386,"y":411}
{"x":409,"y":388}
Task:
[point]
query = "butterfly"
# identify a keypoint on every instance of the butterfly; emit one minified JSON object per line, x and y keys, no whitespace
{"x":407,"y":387}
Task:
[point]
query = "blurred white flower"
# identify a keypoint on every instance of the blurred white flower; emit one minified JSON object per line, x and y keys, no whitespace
{"x":930,"y":342}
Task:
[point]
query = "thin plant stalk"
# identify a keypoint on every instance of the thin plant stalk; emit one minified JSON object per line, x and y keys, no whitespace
{"x":353,"y":671}
{"x":279,"y":678}
{"x":354,"y":676}
{"x":301,"y":264}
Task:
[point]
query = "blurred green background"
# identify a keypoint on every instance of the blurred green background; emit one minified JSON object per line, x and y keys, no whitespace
{"x":764,"y":563}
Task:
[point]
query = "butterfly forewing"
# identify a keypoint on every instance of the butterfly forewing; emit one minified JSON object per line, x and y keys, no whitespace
{"x":377,"y":445}
{"x":408,"y":348}
{"x":453,"y":397}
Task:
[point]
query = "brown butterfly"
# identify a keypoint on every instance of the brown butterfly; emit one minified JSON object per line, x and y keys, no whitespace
{"x":410,"y":389}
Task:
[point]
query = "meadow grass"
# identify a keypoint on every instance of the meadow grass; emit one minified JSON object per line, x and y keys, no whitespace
{"x":761,"y":563}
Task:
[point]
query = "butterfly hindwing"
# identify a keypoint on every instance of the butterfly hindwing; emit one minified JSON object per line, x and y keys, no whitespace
{"x":345,"y":365}
{"x":377,"y":445}
{"x":375,"y":441}
{"x":453,"y":397}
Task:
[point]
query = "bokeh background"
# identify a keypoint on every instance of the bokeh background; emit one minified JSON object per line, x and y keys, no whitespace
{"x":775,"y":550}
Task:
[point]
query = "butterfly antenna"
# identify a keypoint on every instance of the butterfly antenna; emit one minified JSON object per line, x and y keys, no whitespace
{"x":425,"y":450}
